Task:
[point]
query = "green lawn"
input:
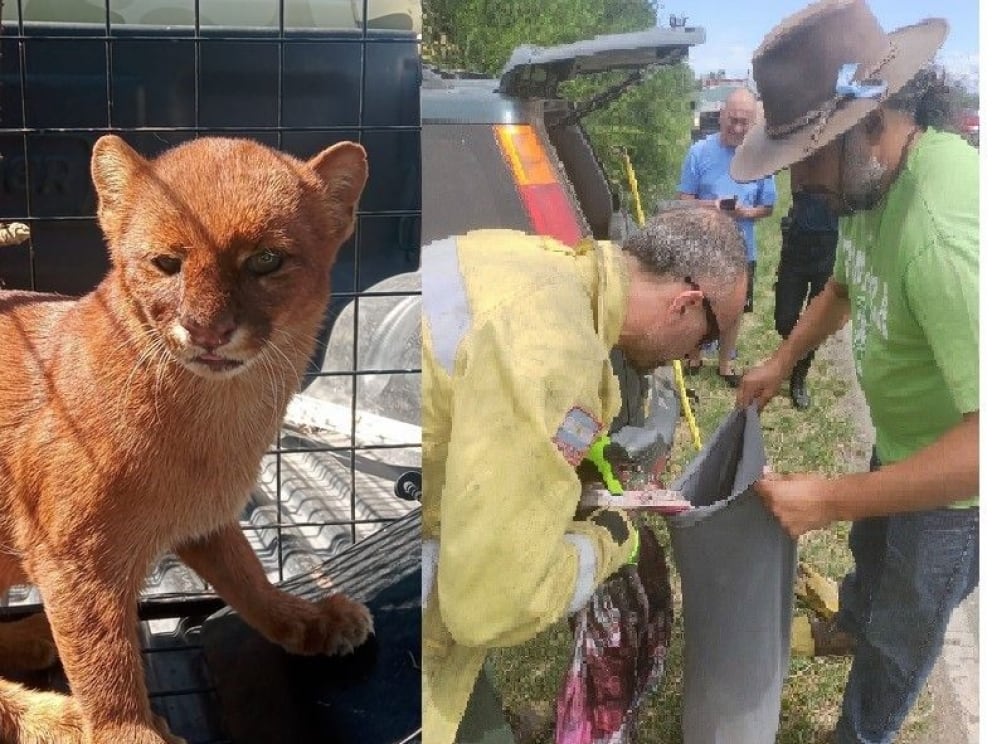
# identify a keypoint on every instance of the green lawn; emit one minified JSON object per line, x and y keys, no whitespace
{"x":815,"y":440}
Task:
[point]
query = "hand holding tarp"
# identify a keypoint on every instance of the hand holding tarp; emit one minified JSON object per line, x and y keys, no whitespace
{"x":760,"y":384}
{"x":799,"y":501}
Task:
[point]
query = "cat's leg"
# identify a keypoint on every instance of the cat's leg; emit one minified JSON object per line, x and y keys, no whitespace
{"x":26,"y":644}
{"x":333,"y":625}
{"x":31,"y":717}
{"x":92,"y":608}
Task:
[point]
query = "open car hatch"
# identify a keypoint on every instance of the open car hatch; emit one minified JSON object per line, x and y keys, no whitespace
{"x":536,"y":72}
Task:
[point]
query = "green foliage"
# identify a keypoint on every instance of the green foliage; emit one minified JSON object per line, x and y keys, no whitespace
{"x":478,"y":35}
{"x":651,"y":121}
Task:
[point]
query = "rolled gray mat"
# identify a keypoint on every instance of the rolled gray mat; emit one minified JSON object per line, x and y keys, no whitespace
{"x":737,"y":567}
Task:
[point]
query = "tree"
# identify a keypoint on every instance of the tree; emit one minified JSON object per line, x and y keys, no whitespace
{"x":652,"y":123}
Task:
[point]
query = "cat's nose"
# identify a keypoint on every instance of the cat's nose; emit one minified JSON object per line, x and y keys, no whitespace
{"x":211,"y":335}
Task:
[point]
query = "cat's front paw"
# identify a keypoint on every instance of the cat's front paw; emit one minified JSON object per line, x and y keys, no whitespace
{"x":32,"y":655}
{"x":334,"y":625}
{"x":26,"y":645}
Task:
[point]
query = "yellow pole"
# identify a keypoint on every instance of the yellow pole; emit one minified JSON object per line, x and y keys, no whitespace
{"x":676,"y":364}
{"x":635,"y":193}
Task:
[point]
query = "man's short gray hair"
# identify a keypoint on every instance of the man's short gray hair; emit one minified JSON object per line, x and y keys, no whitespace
{"x":688,"y":240}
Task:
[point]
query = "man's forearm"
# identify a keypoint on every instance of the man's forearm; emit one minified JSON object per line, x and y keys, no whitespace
{"x":934,"y":477}
{"x":825,"y":315}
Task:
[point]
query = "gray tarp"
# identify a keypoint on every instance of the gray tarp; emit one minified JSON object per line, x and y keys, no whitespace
{"x":737,"y":567}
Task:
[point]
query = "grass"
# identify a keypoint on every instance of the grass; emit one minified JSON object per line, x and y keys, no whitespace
{"x":822,"y":439}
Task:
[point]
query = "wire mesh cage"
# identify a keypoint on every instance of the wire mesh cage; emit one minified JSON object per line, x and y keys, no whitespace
{"x":297,"y":75}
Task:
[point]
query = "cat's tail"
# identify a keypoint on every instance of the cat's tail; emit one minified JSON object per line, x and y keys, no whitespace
{"x":32,"y":717}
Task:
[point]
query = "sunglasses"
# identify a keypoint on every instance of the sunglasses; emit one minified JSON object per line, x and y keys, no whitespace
{"x":712,"y":327}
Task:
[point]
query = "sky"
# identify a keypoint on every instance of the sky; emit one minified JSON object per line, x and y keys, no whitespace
{"x":735,"y":29}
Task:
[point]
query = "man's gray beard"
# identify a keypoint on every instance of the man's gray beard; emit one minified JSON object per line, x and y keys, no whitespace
{"x":863,"y":183}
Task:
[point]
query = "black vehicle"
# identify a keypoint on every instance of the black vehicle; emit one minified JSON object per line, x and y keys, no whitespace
{"x":513,"y":153}
{"x":297,"y":75}
{"x":475,"y":129}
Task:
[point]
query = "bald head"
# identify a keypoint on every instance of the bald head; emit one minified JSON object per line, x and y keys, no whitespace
{"x":737,"y":116}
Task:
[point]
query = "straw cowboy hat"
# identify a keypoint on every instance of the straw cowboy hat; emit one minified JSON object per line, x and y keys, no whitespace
{"x":822,"y":70}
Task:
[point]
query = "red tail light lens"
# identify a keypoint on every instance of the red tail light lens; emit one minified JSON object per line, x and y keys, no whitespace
{"x":551,"y":212}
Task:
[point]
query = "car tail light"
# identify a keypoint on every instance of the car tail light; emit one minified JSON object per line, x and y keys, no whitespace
{"x":541,"y":191}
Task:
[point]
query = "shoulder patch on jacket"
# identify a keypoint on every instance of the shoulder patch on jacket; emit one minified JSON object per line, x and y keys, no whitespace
{"x":576,"y":434}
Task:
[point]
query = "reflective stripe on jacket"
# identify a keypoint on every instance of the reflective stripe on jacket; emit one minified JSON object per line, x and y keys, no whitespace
{"x":517,"y":331}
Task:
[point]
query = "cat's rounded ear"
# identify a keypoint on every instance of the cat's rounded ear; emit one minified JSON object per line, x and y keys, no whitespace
{"x":113,"y":167}
{"x":344,"y":170}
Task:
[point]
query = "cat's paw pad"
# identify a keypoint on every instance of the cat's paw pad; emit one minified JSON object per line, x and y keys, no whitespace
{"x":334,"y":625}
{"x":347,"y":624}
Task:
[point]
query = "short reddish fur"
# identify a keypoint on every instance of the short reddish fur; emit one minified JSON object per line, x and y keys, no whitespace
{"x":112,"y":451}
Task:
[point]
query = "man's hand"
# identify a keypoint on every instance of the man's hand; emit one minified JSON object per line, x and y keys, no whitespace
{"x":798,"y":501}
{"x":760,"y":384}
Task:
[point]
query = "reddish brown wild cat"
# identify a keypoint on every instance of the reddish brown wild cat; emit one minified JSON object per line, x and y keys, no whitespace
{"x":133,"y":420}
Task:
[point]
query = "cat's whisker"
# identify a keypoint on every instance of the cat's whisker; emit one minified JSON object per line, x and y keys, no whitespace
{"x":267,"y":365}
{"x":146,"y":332}
{"x":145,"y":355}
{"x":291,"y":377}
{"x":299,"y":343}
{"x":281,"y":353}
{"x":162,"y":360}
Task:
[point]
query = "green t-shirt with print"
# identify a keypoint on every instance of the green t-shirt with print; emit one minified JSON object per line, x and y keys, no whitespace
{"x":910,"y":266}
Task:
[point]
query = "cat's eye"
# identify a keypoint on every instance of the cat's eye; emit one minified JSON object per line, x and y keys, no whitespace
{"x":169,"y":265}
{"x":264,"y":262}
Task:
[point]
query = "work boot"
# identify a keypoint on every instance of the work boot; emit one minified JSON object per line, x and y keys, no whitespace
{"x":830,"y":640}
{"x":797,"y":388}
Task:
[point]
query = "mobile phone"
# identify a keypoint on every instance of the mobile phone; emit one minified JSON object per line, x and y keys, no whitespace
{"x":730,"y":203}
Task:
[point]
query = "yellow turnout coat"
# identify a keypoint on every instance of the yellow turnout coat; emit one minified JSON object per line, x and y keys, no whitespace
{"x":517,"y":383}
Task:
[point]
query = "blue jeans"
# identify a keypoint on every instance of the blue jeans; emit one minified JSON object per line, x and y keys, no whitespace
{"x":911,"y":571}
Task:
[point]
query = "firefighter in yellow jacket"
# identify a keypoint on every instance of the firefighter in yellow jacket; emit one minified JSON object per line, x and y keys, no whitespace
{"x":517,"y":384}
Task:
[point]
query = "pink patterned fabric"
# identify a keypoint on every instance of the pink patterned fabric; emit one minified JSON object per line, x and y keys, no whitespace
{"x":618,"y":656}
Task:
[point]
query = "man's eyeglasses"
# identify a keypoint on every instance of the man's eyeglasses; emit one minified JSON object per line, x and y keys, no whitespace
{"x":712,"y":327}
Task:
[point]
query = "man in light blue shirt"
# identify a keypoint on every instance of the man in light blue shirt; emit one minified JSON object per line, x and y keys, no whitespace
{"x":706,"y":177}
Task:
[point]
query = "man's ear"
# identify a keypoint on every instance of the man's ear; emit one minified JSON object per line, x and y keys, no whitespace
{"x":684,"y":299}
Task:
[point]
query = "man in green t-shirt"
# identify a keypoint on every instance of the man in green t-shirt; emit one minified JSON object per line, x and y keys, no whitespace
{"x":853,"y":112}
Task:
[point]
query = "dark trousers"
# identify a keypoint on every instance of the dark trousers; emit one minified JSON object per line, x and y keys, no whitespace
{"x":910,"y":572}
{"x":806,"y":263}
{"x":483,"y":722}
{"x":749,"y":302}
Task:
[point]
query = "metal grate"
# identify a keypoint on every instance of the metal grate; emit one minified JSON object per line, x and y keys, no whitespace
{"x":298,"y":75}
